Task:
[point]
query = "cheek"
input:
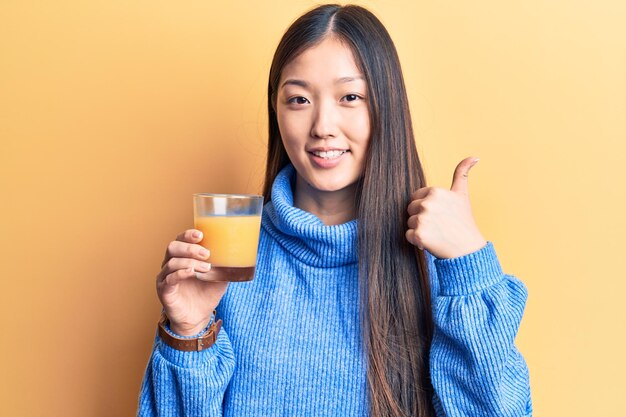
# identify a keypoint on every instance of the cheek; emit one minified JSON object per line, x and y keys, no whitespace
{"x":290,"y":129}
{"x":360,"y":127}
{"x":360,"y":137}
{"x":290,"y":141}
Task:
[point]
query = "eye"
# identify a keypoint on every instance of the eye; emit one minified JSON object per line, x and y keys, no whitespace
{"x":351,"y":97}
{"x":298,"y":100}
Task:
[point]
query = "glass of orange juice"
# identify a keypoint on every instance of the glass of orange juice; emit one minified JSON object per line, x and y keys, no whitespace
{"x":230,"y":224}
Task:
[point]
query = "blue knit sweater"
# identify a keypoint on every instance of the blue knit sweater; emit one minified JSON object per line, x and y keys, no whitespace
{"x":291,"y":344}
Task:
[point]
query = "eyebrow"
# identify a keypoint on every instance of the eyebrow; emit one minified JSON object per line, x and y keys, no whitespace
{"x":291,"y":81}
{"x":349,"y":79}
{"x":304,"y":84}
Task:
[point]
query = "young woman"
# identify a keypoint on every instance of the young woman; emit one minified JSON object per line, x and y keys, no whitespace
{"x":373,"y":294}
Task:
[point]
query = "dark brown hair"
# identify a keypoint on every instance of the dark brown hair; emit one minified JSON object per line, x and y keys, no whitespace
{"x":393,"y":275}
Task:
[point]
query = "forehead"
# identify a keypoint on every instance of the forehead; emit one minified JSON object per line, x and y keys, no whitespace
{"x":329,"y":59}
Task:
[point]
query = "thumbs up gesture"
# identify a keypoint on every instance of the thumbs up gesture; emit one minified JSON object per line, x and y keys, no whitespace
{"x":441,"y":221}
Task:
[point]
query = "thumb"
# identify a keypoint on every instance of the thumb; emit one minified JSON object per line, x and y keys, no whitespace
{"x":459,"y":180}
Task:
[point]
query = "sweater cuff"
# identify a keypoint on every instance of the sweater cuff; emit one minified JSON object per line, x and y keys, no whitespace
{"x":469,"y":273}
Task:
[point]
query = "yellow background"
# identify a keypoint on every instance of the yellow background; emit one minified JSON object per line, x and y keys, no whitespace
{"x":112,"y":113}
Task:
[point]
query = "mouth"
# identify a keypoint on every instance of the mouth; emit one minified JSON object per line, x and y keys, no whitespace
{"x":329,"y":154}
{"x":327,"y":158}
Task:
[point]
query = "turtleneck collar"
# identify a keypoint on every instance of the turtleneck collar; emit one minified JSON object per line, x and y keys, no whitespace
{"x":303,"y":234}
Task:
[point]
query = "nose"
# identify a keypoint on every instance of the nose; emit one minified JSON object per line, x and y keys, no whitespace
{"x":325,"y":121}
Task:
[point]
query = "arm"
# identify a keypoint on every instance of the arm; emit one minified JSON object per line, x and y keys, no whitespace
{"x":178,"y":383}
{"x":476,"y":370}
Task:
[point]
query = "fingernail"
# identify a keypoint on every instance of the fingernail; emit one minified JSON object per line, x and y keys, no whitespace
{"x":202,"y":277}
{"x":205,"y":266}
{"x":196,"y":234}
{"x":204,"y":253}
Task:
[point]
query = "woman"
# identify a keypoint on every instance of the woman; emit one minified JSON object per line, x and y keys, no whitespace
{"x":408,"y":314}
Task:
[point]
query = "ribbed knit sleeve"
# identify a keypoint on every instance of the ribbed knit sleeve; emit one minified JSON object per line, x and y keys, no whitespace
{"x":189,"y":384}
{"x":476,"y":370}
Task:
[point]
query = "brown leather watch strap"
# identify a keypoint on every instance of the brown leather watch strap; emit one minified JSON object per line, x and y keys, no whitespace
{"x":205,"y":341}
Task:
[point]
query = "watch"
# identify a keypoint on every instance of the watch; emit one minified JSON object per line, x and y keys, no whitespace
{"x":196,"y":344}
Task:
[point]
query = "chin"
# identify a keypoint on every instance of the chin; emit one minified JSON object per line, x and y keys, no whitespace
{"x":328,"y":181}
{"x":332,"y":186}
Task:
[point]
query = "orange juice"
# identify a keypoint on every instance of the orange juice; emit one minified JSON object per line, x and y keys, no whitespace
{"x":233,"y":242}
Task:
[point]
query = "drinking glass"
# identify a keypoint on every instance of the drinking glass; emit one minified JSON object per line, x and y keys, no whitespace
{"x":230,"y":224}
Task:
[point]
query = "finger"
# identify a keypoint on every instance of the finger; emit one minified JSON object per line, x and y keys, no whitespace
{"x":417,"y":206}
{"x":190,"y":236}
{"x":210,"y":276}
{"x":177,"y":249}
{"x":421,"y":193}
{"x":174,"y":264}
{"x":180,"y":275}
{"x":459,"y":180}
{"x":413,"y":239}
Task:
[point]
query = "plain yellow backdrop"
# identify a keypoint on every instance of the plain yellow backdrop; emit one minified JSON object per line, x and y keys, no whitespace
{"x":112,"y":113}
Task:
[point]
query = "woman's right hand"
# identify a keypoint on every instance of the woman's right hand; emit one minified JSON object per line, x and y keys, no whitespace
{"x":187,"y":299}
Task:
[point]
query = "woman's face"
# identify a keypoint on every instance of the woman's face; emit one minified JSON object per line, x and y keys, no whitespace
{"x":323,"y":116}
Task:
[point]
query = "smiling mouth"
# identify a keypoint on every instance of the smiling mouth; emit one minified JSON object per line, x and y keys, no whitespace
{"x":329,"y":154}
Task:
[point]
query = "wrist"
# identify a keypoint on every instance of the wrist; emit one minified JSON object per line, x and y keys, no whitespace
{"x":200,"y":340}
{"x":472,"y":247}
{"x":187,"y":330}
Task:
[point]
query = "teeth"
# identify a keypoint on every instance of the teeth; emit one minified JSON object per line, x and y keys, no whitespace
{"x":328,"y":154}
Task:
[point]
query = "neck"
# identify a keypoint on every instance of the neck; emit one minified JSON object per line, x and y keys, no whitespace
{"x":331,"y":207}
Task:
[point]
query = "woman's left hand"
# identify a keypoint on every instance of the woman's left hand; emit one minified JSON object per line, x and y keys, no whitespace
{"x":441,"y":221}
